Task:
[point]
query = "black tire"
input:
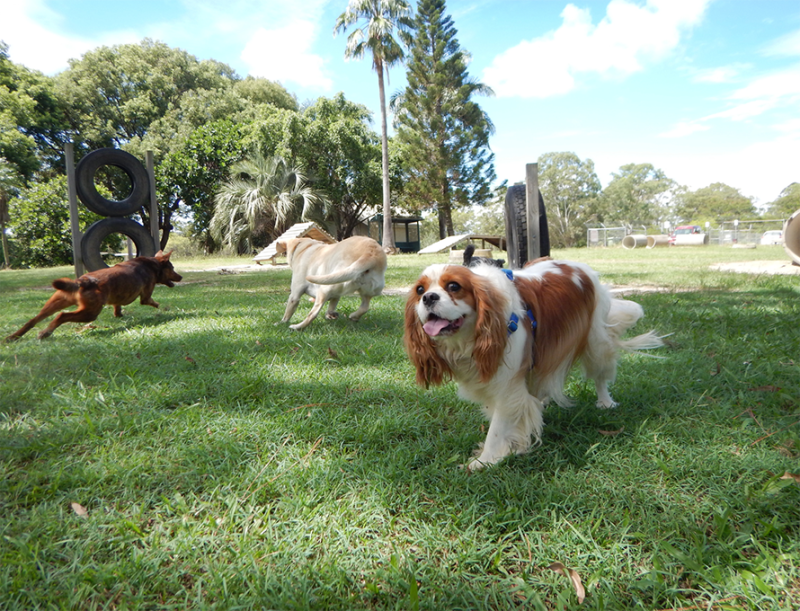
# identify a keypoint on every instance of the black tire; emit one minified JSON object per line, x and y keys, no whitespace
{"x":517,"y":227}
{"x":99,"y":231}
{"x":87,"y":191}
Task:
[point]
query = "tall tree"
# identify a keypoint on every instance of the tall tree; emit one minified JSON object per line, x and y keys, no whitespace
{"x":787,"y":203}
{"x":716,"y":202}
{"x":264,"y":195}
{"x":9,"y":187}
{"x":444,"y":132}
{"x":379,"y":20}
{"x":32,"y":125}
{"x":342,"y":157}
{"x":570,"y":189}
{"x":188,"y":177}
{"x":637,"y":194}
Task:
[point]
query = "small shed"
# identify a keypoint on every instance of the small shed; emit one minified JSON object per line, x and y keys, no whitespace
{"x":298,"y":230}
{"x":406,"y":231}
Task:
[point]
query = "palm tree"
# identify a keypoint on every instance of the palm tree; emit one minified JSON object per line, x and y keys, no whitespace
{"x":379,"y":20}
{"x":9,"y":187}
{"x":263,"y":195}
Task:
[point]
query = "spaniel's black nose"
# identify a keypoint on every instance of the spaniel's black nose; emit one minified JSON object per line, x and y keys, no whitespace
{"x":430,"y":298}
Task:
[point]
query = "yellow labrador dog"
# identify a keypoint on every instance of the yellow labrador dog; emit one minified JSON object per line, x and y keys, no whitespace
{"x":326,"y":272}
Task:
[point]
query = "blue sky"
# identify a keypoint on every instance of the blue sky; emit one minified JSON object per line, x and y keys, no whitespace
{"x":705,"y":90}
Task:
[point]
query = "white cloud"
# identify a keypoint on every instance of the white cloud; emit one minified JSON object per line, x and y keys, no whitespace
{"x":627,"y":37}
{"x":780,"y":84}
{"x":684,"y":128}
{"x":723,"y":74}
{"x":788,"y":45}
{"x":780,"y":89}
{"x":38,"y":38}
{"x":760,"y":169}
{"x":284,"y":55}
{"x":30,"y":30}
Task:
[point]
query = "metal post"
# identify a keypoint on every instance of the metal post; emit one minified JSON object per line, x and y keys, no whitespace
{"x":153,"y":203}
{"x":532,"y":206}
{"x":74,"y":221}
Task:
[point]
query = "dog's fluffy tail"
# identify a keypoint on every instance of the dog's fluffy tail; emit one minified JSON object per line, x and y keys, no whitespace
{"x":645,"y":341}
{"x":622,"y":315}
{"x":351,"y":272}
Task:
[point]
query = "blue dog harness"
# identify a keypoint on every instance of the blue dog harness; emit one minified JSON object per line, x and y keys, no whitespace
{"x":513,"y":321}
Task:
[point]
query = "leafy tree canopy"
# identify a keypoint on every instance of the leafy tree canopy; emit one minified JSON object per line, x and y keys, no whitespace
{"x":787,"y":203}
{"x":188,"y":177}
{"x":113,"y":94}
{"x":716,"y":202}
{"x":32,"y":124}
{"x":570,"y":189}
{"x":332,"y":141}
{"x":637,"y":194}
{"x":40,"y":225}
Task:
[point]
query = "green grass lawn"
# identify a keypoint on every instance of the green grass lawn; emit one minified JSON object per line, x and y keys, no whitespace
{"x":225,"y":462}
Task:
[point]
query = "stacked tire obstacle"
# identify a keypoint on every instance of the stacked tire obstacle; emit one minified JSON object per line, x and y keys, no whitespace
{"x":115,"y":211}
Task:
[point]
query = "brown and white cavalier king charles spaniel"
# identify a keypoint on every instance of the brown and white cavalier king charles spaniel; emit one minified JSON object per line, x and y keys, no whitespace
{"x":510,"y":339}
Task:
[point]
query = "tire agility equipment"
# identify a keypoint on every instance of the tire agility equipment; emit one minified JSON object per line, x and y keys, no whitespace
{"x":87,"y":191}
{"x":517,"y":227}
{"x":99,"y":231}
{"x":81,"y":186}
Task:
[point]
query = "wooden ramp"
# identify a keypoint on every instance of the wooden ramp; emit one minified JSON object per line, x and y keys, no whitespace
{"x":446,"y":244}
{"x":298,"y":230}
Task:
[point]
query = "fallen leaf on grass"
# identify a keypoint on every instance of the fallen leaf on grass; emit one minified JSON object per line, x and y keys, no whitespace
{"x":573,"y":577}
{"x":79,"y":510}
{"x":333,"y":354}
{"x":794,"y":476}
{"x":190,"y":359}
{"x":767,"y":388}
{"x":611,"y":433}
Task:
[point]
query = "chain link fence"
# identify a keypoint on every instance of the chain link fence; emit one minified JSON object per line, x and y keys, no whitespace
{"x":728,"y":233}
{"x":610,"y":236}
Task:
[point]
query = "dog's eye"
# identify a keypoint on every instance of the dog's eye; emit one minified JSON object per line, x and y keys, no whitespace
{"x":453,"y":287}
{"x":420,"y":289}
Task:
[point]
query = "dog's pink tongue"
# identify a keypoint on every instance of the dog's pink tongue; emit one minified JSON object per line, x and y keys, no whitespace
{"x":434,"y":326}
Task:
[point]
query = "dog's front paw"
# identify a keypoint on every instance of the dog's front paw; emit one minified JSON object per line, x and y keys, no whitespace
{"x":476,"y":465}
{"x":332,"y":315}
{"x":606,"y":404}
{"x":297,"y":327}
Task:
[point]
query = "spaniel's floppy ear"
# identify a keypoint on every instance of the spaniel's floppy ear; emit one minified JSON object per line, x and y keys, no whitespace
{"x":431,"y":368}
{"x":491,"y":329}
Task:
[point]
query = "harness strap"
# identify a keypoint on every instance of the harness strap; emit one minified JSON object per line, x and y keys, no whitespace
{"x":513,"y":321}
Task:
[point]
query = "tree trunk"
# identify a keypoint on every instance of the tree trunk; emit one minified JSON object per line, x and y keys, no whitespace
{"x":3,"y":214}
{"x":445,"y":212}
{"x":388,"y":230}
{"x":5,"y":242}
